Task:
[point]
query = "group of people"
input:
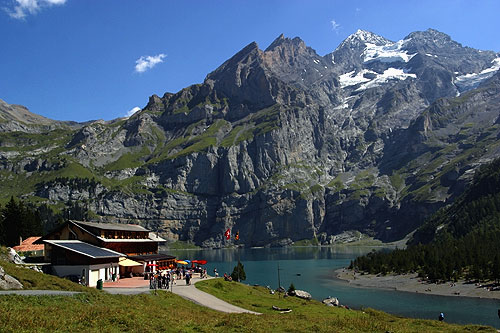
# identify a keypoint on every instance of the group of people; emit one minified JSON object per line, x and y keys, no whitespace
{"x":161,"y":280}
{"x":165,"y":278}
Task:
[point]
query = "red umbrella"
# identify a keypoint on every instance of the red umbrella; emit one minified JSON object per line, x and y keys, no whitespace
{"x":201,"y":262}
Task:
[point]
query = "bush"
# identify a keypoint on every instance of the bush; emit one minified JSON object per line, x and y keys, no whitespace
{"x":291,"y":289}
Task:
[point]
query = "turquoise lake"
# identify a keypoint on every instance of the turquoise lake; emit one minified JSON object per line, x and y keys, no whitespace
{"x":312,"y":269}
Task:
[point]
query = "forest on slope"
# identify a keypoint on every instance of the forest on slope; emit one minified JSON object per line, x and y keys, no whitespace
{"x":459,"y":241}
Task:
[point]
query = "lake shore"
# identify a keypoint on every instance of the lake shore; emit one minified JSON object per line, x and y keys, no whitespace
{"x":412,"y":283}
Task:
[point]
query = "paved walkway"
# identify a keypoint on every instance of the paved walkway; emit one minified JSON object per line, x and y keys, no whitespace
{"x":131,"y":286}
{"x":202,"y":298}
{"x":133,"y":282}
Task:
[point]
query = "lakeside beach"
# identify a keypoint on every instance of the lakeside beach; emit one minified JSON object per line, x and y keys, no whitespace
{"x":415,"y":284}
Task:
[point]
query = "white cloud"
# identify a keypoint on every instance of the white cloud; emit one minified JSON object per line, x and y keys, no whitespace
{"x":335,"y":25}
{"x":132,"y":111}
{"x":147,"y":62}
{"x":23,"y":8}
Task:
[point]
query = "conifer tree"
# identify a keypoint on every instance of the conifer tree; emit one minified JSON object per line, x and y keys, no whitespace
{"x":18,"y":221}
{"x":238,"y":273}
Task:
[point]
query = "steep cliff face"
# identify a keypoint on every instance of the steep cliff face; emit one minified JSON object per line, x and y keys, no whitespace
{"x":282,"y":144}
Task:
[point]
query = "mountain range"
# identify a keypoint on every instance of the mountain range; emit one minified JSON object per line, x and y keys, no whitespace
{"x":281,"y":144}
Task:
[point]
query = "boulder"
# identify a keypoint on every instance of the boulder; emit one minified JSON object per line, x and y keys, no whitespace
{"x":14,"y":257}
{"x":8,"y":282}
{"x":331,"y":301}
{"x":302,"y":294}
{"x":35,"y":268}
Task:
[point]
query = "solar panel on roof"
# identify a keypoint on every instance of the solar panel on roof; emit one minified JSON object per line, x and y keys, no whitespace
{"x":87,"y":249}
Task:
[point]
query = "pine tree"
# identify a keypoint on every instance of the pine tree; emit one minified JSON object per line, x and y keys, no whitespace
{"x":17,"y":221}
{"x":495,"y":269}
{"x":238,"y":273}
{"x":10,"y":220}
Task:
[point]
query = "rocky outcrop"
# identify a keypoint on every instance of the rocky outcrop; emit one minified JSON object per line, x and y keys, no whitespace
{"x":7,"y":282}
{"x":13,"y":257}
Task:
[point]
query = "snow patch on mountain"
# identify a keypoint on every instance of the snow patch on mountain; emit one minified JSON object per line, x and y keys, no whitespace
{"x":472,"y":80}
{"x":341,"y":106}
{"x":353,"y":78}
{"x":390,"y":52}
{"x":370,"y":79}
{"x":389,"y":74}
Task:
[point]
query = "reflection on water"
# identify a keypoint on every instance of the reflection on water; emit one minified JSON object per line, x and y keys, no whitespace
{"x":312,"y":269}
{"x":272,"y":254}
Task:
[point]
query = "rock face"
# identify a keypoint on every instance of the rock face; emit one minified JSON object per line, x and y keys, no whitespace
{"x":7,"y":282}
{"x":281,"y":144}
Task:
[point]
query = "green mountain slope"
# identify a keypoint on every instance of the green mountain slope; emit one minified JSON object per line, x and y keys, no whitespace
{"x":460,"y":240}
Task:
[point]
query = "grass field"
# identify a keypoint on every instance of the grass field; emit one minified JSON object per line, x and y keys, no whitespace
{"x":39,"y":281}
{"x":97,"y":311}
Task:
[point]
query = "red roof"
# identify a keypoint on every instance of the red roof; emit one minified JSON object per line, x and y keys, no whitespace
{"x":27,"y":245}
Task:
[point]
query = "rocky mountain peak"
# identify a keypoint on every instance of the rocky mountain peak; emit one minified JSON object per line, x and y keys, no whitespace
{"x":349,"y":56}
{"x":18,"y":118}
{"x":244,"y":56}
{"x":19,"y":113}
{"x":430,"y":34}
{"x":361,"y":37}
{"x":439,"y":51}
{"x":292,"y":61}
{"x":431,"y":40}
{"x":284,"y":52}
{"x":232,"y":70}
{"x":283,"y":42}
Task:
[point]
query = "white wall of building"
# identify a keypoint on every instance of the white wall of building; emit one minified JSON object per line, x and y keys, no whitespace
{"x":92,"y":273}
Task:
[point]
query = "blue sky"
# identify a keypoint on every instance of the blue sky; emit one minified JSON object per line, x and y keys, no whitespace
{"x":97,"y":59}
